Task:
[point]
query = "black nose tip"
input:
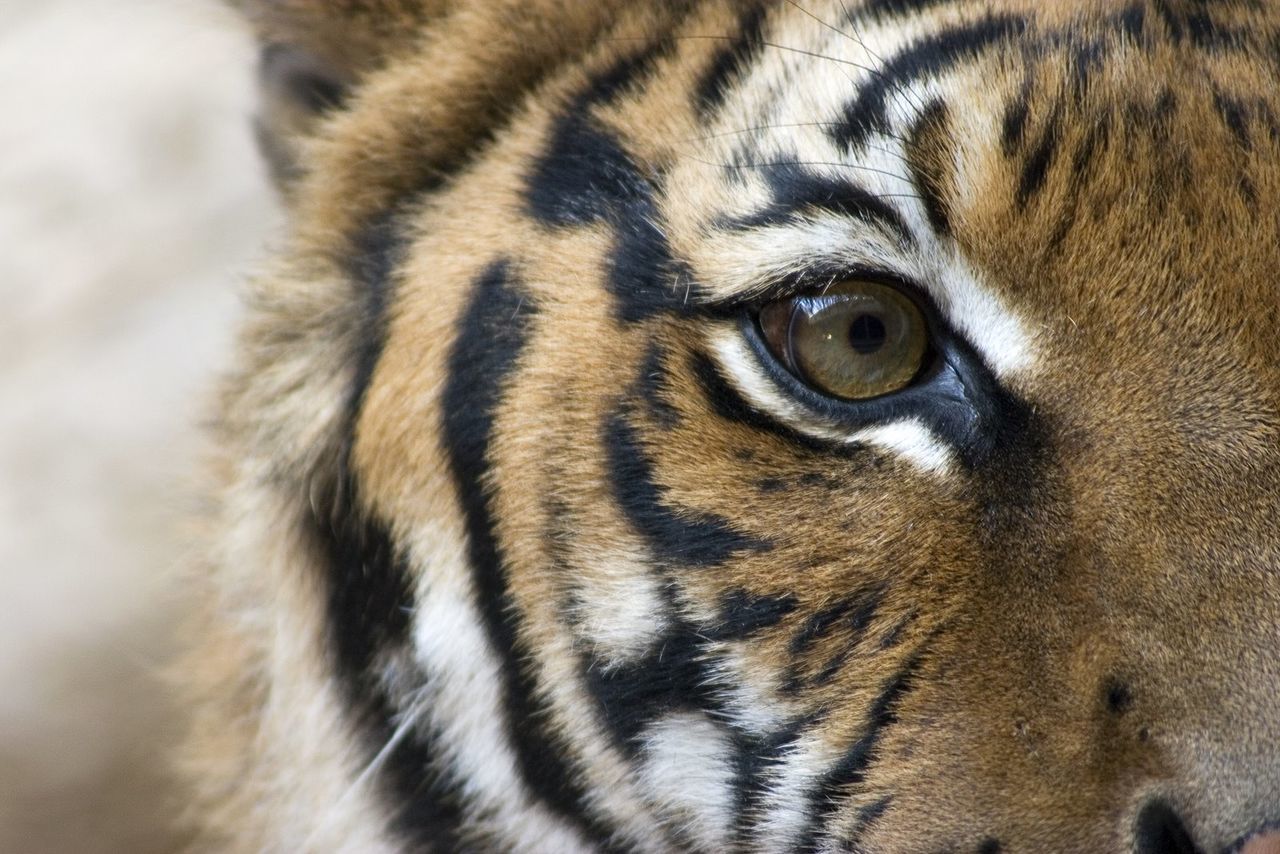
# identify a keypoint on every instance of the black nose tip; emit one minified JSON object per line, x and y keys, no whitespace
{"x":1160,"y":831}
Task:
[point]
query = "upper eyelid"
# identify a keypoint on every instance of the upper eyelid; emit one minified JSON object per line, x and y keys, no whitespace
{"x":749,"y":270}
{"x":816,"y":282}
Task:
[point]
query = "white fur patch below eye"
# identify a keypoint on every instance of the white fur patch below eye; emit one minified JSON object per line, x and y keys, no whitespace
{"x":909,"y":439}
{"x":688,"y":773}
{"x":913,"y":441}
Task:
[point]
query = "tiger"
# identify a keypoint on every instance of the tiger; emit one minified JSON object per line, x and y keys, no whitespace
{"x":751,"y":425}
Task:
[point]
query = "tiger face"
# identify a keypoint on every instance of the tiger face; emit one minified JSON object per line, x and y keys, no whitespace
{"x":761,"y":426}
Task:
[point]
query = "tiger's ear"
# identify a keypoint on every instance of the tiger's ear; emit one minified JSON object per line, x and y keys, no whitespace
{"x":314,"y":53}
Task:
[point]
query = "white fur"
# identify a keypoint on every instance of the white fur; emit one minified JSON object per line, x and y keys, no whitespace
{"x":687,"y":771}
{"x":620,"y":607}
{"x":786,"y":808}
{"x":911,"y":440}
{"x":465,"y":690}
{"x":755,"y":707}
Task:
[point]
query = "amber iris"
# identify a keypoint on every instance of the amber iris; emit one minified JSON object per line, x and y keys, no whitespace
{"x":854,"y":340}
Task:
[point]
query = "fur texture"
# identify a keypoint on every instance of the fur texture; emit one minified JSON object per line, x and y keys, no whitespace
{"x":528,"y":544}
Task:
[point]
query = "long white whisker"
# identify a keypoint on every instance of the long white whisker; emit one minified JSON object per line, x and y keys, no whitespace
{"x":417,"y":708}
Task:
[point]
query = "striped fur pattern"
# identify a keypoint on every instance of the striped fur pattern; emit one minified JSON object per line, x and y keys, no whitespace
{"x":524,"y":542}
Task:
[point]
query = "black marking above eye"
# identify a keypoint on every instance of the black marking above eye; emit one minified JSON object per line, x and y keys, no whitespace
{"x":796,"y":190}
{"x":868,"y":112}
{"x":731,"y":59}
{"x":931,"y":164}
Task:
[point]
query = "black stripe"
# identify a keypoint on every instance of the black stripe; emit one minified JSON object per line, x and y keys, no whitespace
{"x":771,"y":484}
{"x":491,"y":335}
{"x":644,"y":277}
{"x":885,"y":8}
{"x":1171,"y":19}
{"x":1235,"y":116}
{"x":369,"y":592}
{"x":930,"y":129}
{"x":1036,"y":168}
{"x":857,"y":625}
{"x":990,"y":845}
{"x":743,"y":614}
{"x":797,"y":190}
{"x":653,"y":389}
{"x":894,"y":636}
{"x":818,"y":626}
{"x":1209,"y":35}
{"x":370,"y":596}
{"x":586,"y":176}
{"x":756,"y":758}
{"x":1133,"y":21}
{"x":1095,"y":140}
{"x":1086,"y":59}
{"x":851,"y":770}
{"x":369,"y":589}
{"x":934,"y":55}
{"x":368,"y":605}
{"x":677,"y":536}
{"x":376,"y":251}
{"x":1268,"y":117}
{"x":866,"y":817}
{"x":852,"y":616}
{"x":1014,"y":125}
{"x":1192,"y":19}
{"x":741,"y":51}
{"x":671,"y":678}
{"x":725,"y":402}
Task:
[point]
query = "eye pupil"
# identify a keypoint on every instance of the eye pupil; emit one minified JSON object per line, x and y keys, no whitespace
{"x":867,"y":334}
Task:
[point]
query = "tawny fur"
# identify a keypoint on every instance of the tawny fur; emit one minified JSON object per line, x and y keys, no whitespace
{"x":1080,"y":622}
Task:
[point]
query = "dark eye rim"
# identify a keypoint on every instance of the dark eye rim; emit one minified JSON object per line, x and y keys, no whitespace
{"x":954,"y":392}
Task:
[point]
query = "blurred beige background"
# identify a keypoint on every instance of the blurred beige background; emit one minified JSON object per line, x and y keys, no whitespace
{"x":131,"y":205}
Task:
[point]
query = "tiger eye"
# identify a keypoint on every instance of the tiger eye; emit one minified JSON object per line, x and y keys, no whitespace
{"x":855,"y":340}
